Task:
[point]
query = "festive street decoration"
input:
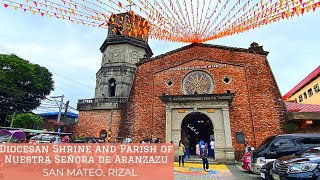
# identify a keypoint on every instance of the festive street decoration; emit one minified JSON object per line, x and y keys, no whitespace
{"x":169,"y":20}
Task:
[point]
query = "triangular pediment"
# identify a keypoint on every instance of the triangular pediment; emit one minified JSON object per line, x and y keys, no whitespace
{"x":236,"y":49}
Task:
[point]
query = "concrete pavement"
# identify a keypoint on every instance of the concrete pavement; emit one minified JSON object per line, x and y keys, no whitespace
{"x":195,"y":171}
{"x":242,"y":174}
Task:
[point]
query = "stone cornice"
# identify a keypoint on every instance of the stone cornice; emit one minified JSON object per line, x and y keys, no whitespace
{"x":117,"y":68}
{"x":126,"y":39}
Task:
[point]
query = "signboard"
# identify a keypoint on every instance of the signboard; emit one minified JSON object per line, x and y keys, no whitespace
{"x":198,"y":67}
{"x":240,"y":138}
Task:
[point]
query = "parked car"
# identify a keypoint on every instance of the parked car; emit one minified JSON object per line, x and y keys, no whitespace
{"x":44,"y":138}
{"x":265,"y":171}
{"x":298,"y":166}
{"x":275,"y":147}
{"x":12,"y":136}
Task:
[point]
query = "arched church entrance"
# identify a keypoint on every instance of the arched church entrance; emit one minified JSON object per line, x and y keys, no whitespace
{"x":196,"y":126}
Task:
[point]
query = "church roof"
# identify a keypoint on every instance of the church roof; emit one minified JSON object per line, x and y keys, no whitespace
{"x":254,"y":49}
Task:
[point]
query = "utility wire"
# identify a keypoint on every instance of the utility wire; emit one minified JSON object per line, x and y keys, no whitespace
{"x":37,"y":95}
{"x":26,"y":102}
{"x":4,"y":49}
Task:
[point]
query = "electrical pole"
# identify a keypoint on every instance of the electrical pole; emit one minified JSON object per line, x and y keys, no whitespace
{"x":66,"y":111}
{"x":14,"y":115}
{"x":60,"y":108}
{"x":110,"y":126}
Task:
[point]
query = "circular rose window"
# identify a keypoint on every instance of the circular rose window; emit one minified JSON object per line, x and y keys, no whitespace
{"x":197,"y":82}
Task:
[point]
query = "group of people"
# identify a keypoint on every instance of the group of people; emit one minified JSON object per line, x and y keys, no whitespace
{"x":149,"y":140}
{"x":201,"y":144}
{"x":204,"y":150}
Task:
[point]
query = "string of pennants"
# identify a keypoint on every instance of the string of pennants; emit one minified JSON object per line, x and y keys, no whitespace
{"x":169,"y":20}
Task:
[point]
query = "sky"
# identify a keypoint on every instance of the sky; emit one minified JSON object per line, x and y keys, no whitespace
{"x":71,"y":51}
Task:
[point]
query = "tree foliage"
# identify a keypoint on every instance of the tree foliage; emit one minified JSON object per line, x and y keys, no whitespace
{"x":27,"y":120}
{"x":22,"y":84}
{"x":289,"y":128}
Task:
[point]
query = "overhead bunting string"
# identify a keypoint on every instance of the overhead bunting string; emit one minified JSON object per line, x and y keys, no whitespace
{"x":279,"y":15}
{"x":169,"y":20}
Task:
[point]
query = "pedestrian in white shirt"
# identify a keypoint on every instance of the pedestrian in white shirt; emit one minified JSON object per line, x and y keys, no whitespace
{"x":212,"y":148}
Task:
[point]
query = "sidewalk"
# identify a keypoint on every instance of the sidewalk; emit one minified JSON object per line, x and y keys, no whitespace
{"x":195,"y":171}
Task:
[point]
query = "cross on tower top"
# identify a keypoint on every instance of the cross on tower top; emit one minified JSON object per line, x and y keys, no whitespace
{"x":130,"y":4}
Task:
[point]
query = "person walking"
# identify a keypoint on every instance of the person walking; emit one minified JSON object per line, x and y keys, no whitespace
{"x":212,"y":148}
{"x":181,"y":153}
{"x":187,"y":146}
{"x":205,"y":158}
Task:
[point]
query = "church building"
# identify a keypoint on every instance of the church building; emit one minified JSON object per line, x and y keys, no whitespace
{"x":200,"y":92}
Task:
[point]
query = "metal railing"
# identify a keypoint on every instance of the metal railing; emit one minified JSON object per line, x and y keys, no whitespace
{"x":103,"y":100}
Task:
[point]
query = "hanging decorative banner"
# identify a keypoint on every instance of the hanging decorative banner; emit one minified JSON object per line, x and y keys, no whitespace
{"x":169,"y":20}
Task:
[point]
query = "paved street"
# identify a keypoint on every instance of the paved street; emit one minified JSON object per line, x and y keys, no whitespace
{"x":195,"y":171}
{"x":241,"y":174}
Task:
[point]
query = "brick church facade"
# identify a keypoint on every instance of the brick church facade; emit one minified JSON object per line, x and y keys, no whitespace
{"x":200,"y":91}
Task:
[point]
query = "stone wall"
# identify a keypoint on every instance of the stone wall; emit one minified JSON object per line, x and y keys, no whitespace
{"x":118,"y":62}
{"x":256,"y":110}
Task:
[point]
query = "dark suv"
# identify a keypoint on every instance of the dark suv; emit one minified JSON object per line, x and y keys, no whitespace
{"x":303,"y":165}
{"x":275,"y":147}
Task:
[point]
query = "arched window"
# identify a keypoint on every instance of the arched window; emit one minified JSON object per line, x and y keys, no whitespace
{"x":112,"y":87}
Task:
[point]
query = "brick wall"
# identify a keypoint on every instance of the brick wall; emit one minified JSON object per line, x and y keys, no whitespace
{"x":257,"y":109}
{"x":91,"y":122}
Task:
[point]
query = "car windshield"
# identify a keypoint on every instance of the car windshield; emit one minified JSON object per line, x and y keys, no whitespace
{"x":4,"y":138}
{"x":266,"y":143}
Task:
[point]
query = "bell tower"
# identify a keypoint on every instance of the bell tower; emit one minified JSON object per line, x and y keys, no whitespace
{"x":126,"y":43}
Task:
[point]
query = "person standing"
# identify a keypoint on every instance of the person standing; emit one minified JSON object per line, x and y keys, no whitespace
{"x":201,"y":144}
{"x":181,"y":153}
{"x":198,"y":150}
{"x":187,"y":146}
{"x":212,"y":148}
{"x":246,"y":147}
{"x":205,"y":158}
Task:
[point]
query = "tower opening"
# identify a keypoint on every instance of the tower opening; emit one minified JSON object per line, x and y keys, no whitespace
{"x":112,"y":87}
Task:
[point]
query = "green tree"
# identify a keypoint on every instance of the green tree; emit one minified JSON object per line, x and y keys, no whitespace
{"x":22,"y":84}
{"x":27,"y":120}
